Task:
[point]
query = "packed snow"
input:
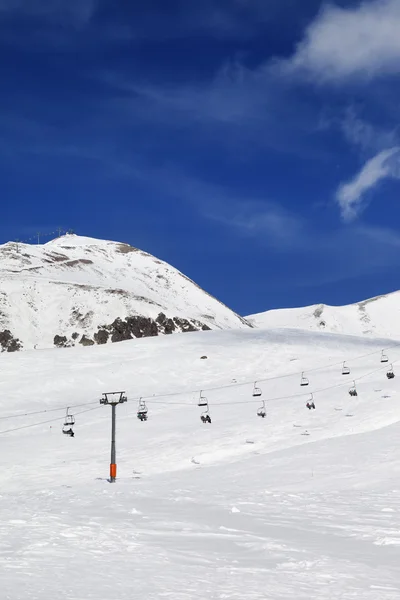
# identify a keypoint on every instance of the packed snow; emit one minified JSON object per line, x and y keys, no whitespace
{"x":75,"y":284}
{"x":299,"y":505}
{"x":378,"y":316}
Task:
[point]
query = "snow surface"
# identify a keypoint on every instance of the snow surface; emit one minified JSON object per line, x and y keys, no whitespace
{"x":376,"y":316}
{"x":75,"y":284}
{"x":245,"y":508}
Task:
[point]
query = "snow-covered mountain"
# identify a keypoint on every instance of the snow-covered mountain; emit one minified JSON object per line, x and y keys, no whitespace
{"x":379,"y":316}
{"x":82,"y":290}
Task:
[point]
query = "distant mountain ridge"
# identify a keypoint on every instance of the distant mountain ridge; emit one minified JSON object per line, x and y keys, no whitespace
{"x":79,"y":290}
{"x":379,"y":316}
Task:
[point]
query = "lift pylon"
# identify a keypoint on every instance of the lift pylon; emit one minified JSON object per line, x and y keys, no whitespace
{"x":113,"y":398}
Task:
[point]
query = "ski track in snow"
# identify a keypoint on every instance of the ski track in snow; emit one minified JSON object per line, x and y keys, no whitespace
{"x":246,"y":508}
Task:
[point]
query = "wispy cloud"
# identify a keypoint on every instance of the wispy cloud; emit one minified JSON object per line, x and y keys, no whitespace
{"x":366,"y":136}
{"x":266,"y":221}
{"x":351,"y":195}
{"x":346,"y":43}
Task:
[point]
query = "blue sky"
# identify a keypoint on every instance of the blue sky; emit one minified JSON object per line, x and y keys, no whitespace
{"x":253,"y":144}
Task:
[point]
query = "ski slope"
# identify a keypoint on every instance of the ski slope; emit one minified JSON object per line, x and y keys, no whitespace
{"x":379,"y":316}
{"x":244,"y":508}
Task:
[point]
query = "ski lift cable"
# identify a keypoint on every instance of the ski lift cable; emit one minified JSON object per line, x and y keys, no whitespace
{"x":267,"y":379}
{"x":47,"y":410}
{"x":288,"y":397}
{"x":45,"y":422}
{"x":215,"y":388}
{"x":298,"y":395}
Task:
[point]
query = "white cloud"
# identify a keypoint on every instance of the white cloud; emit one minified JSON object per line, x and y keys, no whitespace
{"x":351,"y":195}
{"x":368,"y":137}
{"x":361,"y":42}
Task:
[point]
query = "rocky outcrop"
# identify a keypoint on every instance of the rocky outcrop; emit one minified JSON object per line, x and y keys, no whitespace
{"x":9,"y":343}
{"x":61,"y":341}
{"x":133,"y":327}
{"x":86,"y":341}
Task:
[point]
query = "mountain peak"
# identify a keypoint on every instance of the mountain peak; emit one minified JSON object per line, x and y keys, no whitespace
{"x":73,"y":240}
{"x":77,"y":289}
{"x":378,"y":316}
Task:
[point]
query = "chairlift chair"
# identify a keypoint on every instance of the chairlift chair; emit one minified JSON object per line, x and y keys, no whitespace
{"x":67,"y":430}
{"x":304,"y":381}
{"x":142,"y":411}
{"x":69,"y":419}
{"x":202,"y":400}
{"x":353,"y":390}
{"x":205,"y":417}
{"x":257,"y":392}
{"x":345,"y":369}
{"x":311,"y":404}
{"x":390,"y":373}
{"x":384,"y":357}
{"x":261,"y":412}
{"x":69,"y":422}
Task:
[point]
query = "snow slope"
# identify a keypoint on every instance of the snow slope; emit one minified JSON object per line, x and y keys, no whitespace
{"x":376,"y":316}
{"x":245,"y":508}
{"x":74,"y":285}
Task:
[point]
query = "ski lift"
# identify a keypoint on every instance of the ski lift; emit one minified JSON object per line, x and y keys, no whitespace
{"x":205,"y":417}
{"x":311,"y":404}
{"x":202,"y":400}
{"x":142,"y":410}
{"x":203,"y":403}
{"x":303,"y":381}
{"x":257,"y":392}
{"x":261,"y":412}
{"x":345,"y":369}
{"x":390,"y":373}
{"x":69,"y":422}
{"x":384,"y":357}
{"x":353,"y":390}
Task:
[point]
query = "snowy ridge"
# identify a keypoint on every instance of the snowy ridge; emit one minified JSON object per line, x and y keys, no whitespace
{"x":242,"y":508}
{"x":379,"y":316}
{"x":73,"y":285}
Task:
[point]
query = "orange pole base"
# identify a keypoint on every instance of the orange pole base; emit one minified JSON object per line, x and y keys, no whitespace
{"x":113,"y":471}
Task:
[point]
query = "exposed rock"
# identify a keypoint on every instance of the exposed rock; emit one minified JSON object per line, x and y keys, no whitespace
{"x":318,"y":311}
{"x":127,"y":329}
{"x":8,"y":342}
{"x":86,"y":341}
{"x":166,"y":325}
{"x":60,"y":341}
{"x":142,"y":327}
{"x":101,"y":336}
{"x":79,"y":261}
